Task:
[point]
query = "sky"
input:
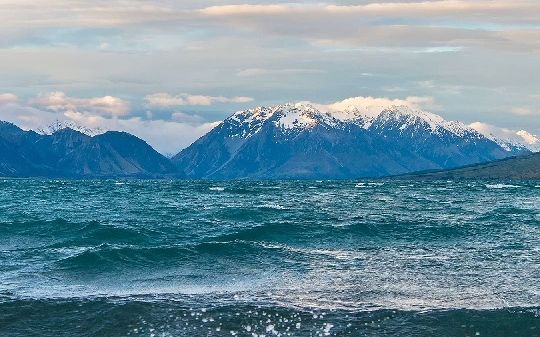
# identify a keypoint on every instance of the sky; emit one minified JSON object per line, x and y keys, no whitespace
{"x":169,"y":71}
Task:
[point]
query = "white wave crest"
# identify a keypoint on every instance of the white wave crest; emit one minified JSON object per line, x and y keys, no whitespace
{"x":501,"y":186}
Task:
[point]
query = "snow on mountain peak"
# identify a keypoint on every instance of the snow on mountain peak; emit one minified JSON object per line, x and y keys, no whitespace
{"x":305,"y":115}
{"x":60,"y":125}
{"x":508,"y":138}
{"x":296,"y":116}
{"x":300,"y":116}
{"x":530,"y":139}
{"x":411,"y":116}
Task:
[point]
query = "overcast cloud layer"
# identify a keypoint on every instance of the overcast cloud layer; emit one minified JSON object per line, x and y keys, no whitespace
{"x":168,"y":70}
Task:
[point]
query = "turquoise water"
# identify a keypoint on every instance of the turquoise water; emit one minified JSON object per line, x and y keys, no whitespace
{"x":350,"y":258}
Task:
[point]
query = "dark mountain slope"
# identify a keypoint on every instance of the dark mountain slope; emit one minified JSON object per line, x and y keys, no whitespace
{"x":72,"y":154}
{"x":522,"y":167}
{"x":19,"y":155}
{"x":114,"y":154}
{"x":301,"y":142}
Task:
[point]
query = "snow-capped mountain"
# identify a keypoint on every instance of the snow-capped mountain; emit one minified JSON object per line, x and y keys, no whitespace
{"x":303,"y":141}
{"x":60,"y":125}
{"x":531,"y":142}
{"x":68,"y":153}
{"x":300,"y":116}
{"x":509,"y":139}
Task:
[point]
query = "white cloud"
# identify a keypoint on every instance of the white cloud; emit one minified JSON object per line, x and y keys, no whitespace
{"x":187,"y":118}
{"x":524,"y":111}
{"x":529,"y":138}
{"x":26,"y":117}
{"x":166,"y":136}
{"x":374,"y":105}
{"x":60,"y":102}
{"x":119,"y":13}
{"x":495,"y":24}
{"x":499,"y":10}
{"x":509,"y":135}
{"x":253,"y":72}
{"x":109,"y":113}
{"x":164,"y":100}
{"x":8,"y":98}
{"x":168,"y":100}
{"x":170,"y":136}
{"x":492,"y":130}
{"x":459,"y":22}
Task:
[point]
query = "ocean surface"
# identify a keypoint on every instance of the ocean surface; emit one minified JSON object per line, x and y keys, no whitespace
{"x":296,"y":258}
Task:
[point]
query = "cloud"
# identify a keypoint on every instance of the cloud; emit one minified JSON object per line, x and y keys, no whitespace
{"x":106,"y":113}
{"x":164,"y":100}
{"x":166,"y":136}
{"x":171,"y":134}
{"x":60,"y":102}
{"x":496,"y":9}
{"x":492,"y":130}
{"x":375,"y":104}
{"x":187,"y":118}
{"x":8,"y":98}
{"x":439,"y":26}
{"x":26,"y":117}
{"x":478,"y":58}
{"x":253,"y":72}
{"x":119,"y":13}
{"x":513,"y":136}
{"x":447,"y":24}
{"x":518,"y":11}
{"x":524,"y":111}
{"x":168,"y":100}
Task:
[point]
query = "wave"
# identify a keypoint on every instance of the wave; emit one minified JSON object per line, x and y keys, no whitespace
{"x":203,"y":316}
{"x":60,"y":233}
{"x":208,"y":256}
{"x":501,"y":186}
{"x":92,"y":259}
{"x":272,"y":206}
{"x":368,"y":184}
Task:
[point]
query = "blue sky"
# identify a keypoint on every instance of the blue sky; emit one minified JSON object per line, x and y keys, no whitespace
{"x":169,"y":70}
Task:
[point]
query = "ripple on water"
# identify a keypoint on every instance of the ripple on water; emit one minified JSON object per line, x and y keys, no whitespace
{"x":182,"y":258}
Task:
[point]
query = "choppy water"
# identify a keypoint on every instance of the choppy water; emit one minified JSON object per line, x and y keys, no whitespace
{"x":177,"y":258}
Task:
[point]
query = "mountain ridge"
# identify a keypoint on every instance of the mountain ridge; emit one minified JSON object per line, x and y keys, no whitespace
{"x":292,"y":141}
{"x":288,"y":141}
{"x":512,"y":168}
{"x":72,"y":154}
{"x":60,"y":125}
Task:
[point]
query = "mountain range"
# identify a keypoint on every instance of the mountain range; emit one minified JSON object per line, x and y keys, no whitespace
{"x":72,"y":154}
{"x":289,"y":141}
{"x":299,"y":141}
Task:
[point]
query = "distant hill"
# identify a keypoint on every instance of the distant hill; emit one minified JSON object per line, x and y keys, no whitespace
{"x":73,"y":154}
{"x":298,"y":141}
{"x":522,"y":167}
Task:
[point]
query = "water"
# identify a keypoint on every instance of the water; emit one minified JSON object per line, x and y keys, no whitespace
{"x":351,"y":258}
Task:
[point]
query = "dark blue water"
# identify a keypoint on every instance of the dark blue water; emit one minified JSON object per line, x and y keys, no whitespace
{"x":176,"y":258}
